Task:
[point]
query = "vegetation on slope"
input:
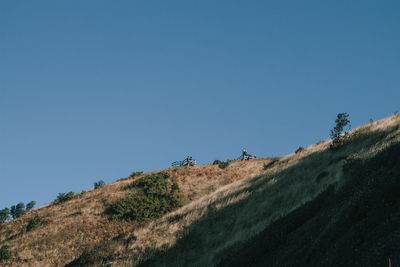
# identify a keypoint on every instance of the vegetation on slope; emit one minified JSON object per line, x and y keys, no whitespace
{"x":225,"y":208}
{"x":154,"y":196}
{"x":224,"y":231}
{"x":356,"y":224}
{"x":78,"y":225}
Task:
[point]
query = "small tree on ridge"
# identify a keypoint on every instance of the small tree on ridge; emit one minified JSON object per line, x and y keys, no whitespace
{"x":30,"y":205}
{"x":4,"y":215}
{"x":341,"y":121}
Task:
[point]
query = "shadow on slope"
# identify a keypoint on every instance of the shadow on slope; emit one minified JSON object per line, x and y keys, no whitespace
{"x":220,"y":234}
{"x":264,"y":199}
{"x":358,"y":225}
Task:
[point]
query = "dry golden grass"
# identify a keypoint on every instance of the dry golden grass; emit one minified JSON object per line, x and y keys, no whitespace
{"x":223,"y":207}
{"x":217,"y":222}
{"x":80,"y":223}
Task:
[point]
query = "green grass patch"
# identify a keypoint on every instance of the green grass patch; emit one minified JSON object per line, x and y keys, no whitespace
{"x":153,"y":196}
{"x":63,"y":197}
{"x":5,"y":254}
{"x":34,"y":223}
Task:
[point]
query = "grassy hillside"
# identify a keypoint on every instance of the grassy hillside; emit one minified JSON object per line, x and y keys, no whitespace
{"x":228,"y":229}
{"x":79,"y":225}
{"x":224,"y":211}
{"x":355,"y":224}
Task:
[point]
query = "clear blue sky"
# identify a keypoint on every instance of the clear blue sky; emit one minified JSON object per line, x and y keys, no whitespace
{"x":94,"y":90}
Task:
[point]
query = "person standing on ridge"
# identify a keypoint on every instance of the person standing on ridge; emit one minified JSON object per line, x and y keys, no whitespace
{"x":245,"y":156}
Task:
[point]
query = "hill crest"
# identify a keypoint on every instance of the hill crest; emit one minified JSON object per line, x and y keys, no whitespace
{"x":223,"y":208}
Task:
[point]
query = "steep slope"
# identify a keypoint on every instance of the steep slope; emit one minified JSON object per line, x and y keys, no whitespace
{"x":356,"y":224}
{"x":219,"y":237}
{"x":79,"y":225}
{"x":226,"y":211}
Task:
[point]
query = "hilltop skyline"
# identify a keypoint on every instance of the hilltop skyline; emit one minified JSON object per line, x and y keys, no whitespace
{"x":94,"y":91}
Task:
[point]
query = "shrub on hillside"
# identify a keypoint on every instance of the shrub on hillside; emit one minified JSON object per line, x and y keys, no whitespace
{"x":99,"y":255}
{"x":5,"y":254}
{"x":99,"y":184}
{"x":154,"y":196}
{"x":18,"y":210}
{"x":270,"y":164}
{"x":300,"y":149}
{"x":4,"y":215}
{"x":338,"y":138}
{"x":217,"y":162}
{"x":12,"y":212}
{"x":30,"y":205}
{"x":223,"y":164}
{"x":135,"y":174}
{"x":62,"y":197}
{"x":34,"y":222}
